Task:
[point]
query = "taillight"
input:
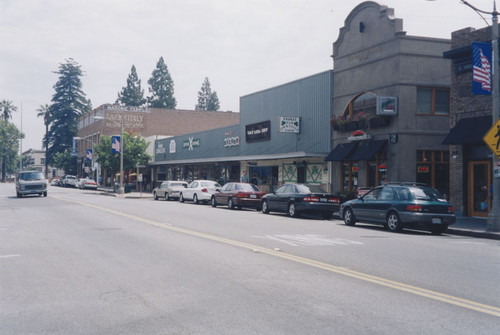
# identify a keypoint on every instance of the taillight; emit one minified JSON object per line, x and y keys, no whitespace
{"x":204,"y":190}
{"x":334,"y":200}
{"x":242,"y":195}
{"x":451,"y":210}
{"x":311,"y":199}
{"x":414,"y":208}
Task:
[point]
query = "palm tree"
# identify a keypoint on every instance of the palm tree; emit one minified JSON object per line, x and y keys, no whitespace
{"x":6,"y":108}
{"x":44,"y":111}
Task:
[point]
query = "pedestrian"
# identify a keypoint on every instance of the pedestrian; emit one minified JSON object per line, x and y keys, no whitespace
{"x":244,"y":177}
{"x":254,"y":179}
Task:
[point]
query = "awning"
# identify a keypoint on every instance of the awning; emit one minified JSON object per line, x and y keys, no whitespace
{"x":366,"y":150}
{"x":340,"y":152}
{"x":470,"y":130}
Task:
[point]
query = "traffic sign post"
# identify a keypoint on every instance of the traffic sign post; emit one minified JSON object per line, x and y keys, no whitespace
{"x":492,"y":138}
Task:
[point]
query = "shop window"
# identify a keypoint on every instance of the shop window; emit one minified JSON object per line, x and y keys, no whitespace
{"x":433,"y":168}
{"x":377,"y":170}
{"x":433,"y":101}
{"x":350,"y":172}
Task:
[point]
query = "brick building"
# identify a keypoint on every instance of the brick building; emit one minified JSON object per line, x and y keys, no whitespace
{"x":470,"y":119}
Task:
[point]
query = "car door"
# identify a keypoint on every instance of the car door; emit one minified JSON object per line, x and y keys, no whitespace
{"x":189,"y":191}
{"x":284,"y":197}
{"x":382,"y":204}
{"x":273,"y":198}
{"x":223,"y":195}
{"x":363,"y":208}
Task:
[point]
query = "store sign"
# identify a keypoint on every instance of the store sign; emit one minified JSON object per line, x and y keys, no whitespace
{"x":423,"y":169}
{"x":232,"y":141}
{"x":387,"y":106}
{"x":358,"y":135}
{"x":288,"y":124}
{"x":191,"y":143}
{"x":160,"y":149}
{"x":258,"y":132}
{"x":172,"y":147}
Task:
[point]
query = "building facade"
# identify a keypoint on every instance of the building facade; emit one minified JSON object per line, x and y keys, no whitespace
{"x":35,"y":159}
{"x":391,"y":103}
{"x":471,"y":117}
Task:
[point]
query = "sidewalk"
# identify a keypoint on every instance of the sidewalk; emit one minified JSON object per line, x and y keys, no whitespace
{"x":464,"y":226}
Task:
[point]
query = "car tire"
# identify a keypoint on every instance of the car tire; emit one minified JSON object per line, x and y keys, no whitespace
{"x":393,"y":223}
{"x":167,"y":196}
{"x":292,"y":210}
{"x":181,"y":198}
{"x":155,"y":196}
{"x":195,"y":199}
{"x":230,"y":203}
{"x":265,"y":207}
{"x":349,"y":218}
{"x":213,"y":202}
{"x":45,"y":194}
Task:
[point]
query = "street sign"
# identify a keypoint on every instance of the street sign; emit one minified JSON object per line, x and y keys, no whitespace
{"x":492,"y":138}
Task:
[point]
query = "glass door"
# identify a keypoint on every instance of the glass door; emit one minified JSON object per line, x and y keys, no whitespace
{"x":479,"y":200}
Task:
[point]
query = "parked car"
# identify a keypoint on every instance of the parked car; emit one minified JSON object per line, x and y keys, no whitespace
{"x":399,"y":205}
{"x":30,"y":182}
{"x":68,"y":181}
{"x":86,"y":184}
{"x":169,"y":189}
{"x":295,"y":199}
{"x":238,"y":195}
{"x":199,"y":191}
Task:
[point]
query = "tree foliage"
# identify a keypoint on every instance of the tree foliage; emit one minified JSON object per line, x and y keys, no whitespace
{"x":132,"y":94}
{"x":161,"y":87}
{"x":68,"y":104}
{"x":65,"y":161}
{"x":207,"y":100}
{"x":44,"y":112}
{"x":9,"y":147}
{"x":134,"y":153}
{"x":6,"y":109}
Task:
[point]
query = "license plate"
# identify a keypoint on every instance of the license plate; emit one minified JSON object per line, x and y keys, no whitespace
{"x":436,"y":220}
{"x":253,"y":196}
{"x":323,"y":200}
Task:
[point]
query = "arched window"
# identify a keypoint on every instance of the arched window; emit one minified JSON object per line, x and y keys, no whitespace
{"x":362,"y":105}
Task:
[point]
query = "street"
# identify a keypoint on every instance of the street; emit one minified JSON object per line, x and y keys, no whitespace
{"x":78,"y":262}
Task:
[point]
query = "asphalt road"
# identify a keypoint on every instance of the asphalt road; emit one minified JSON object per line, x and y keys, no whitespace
{"x":78,"y":262}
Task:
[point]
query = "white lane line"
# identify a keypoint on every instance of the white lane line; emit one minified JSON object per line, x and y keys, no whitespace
{"x":9,"y":256}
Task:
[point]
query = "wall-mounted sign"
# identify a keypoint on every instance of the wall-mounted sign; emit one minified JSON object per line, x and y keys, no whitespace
{"x":423,"y":169}
{"x":393,"y":138}
{"x":232,"y":141}
{"x":160,"y":149}
{"x":191,"y":143}
{"x":358,"y":135}
{"x":289,"y":124}
{"x":387,"y":106}
{"x":258,"y":132}
{"x":172,"y":147}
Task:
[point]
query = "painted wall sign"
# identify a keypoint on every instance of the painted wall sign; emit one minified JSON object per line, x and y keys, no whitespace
{"x":172,"y":147}
{"x":232,"y":141}
{"x":258,"y":132}
{"x":387,"y":105}
{"x":289,"y":124}
{"x":191,"y":143}
{"x":160,"y":149}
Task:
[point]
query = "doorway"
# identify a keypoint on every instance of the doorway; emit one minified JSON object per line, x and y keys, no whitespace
{"x":478,"y":193}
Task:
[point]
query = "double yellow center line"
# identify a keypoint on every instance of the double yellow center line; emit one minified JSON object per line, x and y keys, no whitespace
{"x":468,"y":304}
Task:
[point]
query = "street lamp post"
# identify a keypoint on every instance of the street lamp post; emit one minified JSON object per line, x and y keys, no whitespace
{"x":91,"y":148}
{"x":121,"y":190}
{"x":494,"y":215}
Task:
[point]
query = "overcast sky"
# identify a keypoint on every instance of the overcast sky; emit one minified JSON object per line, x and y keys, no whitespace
{"x":242,"y":46}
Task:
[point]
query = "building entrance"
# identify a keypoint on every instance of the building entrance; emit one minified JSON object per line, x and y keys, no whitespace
{"x":478,"y":194}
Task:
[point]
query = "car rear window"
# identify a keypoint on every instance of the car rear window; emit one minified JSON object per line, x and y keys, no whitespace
{"x":426,"y":193}
{"x":247,"y":187}
{"x":310,"y":189}
{"x":177,"y":184}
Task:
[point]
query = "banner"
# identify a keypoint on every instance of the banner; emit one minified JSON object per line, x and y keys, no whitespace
{"x":115,"y":144}
{"x":481,"y":68}
{"x":89,"y":154}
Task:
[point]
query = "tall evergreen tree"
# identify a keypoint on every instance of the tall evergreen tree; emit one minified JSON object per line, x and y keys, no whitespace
{"x":6,"y":109}
{"x":207,"y":100}
{"x":161,"y":87}
{"x":44,"y":112}
{"x":132,"y":94}
{"x":68,"y":103}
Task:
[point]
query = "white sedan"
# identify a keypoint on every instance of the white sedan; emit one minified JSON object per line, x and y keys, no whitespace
{"x":199,"y":191}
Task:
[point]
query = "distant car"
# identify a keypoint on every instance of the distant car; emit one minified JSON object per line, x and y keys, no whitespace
{"x":169,"y":189}
{"x":199,"y":191}
{"x":238,"y":195}
{"x":295,"y":199}
{"x":30,"y":182}
{"x":54,"y":182}
{"x":399,"y":205}
{"x":68,"y":181}
{"x":86,"y":184}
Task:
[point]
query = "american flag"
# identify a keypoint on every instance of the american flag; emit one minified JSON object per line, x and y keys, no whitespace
{"x":89,"y":154}
{"x":481,"y":69}
{"x":115,"y":144}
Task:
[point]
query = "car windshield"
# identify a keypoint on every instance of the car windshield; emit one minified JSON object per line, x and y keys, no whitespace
{"x":247,"y":187}
{"x":31,"y":176}
{"x":310,"y":189}
{"x":426,"y":193}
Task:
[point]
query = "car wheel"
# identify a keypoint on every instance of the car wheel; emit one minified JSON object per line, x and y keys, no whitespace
{"x":19,"y":195}
{"x":155,"y":196}
{"x":44,"y":194}
{"x":230,"y":204}
{"x":213,"y":201}
{"x":438,"y":230}
{"x":349,"y":218}
{"x":393,"y":223}
{"x":265,"y":207}
{"x":292,"y":211}
{"x":181,"y":198}
{"x":327,"y":215}
{"x":167,"y":196}
{"x":195,"y":199}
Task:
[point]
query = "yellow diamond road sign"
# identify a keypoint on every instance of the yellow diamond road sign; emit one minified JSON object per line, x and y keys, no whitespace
{"x":492,"y":138}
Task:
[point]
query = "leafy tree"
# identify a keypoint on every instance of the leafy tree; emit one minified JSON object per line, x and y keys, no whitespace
{"x":6,"y":109}
{"x":44,"y":111}
{"x":65,"y":161}
{"x":134,"y":153}
{"x":207,"y":100}
{"x":132,"y":94}
{"x":9,"y":147}
{"x":161,"y":87}
{"x":68,"y":103}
